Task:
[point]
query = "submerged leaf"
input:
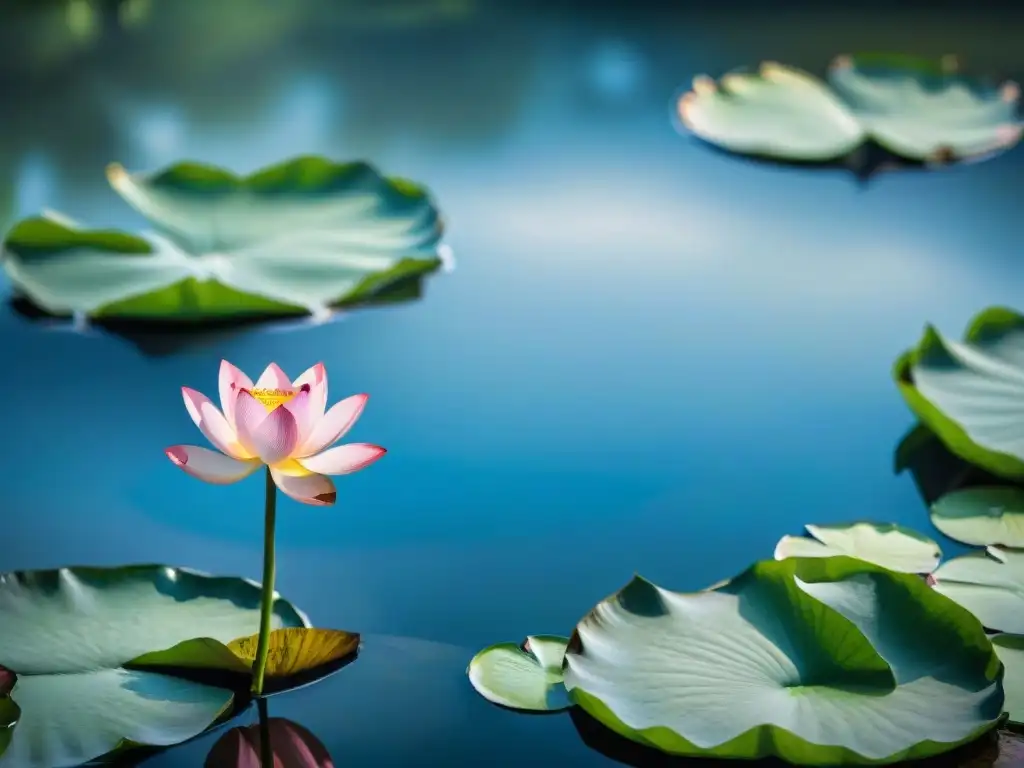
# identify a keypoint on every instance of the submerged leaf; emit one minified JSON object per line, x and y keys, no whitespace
{"x":803,"y":659}
{"x":527,"y":677}
{"x":885,"y":544}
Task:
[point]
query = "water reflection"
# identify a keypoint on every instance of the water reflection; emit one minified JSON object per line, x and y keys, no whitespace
{"x":272,"y":741}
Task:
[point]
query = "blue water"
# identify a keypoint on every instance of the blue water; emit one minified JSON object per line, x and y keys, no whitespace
{"x":650,"y":358}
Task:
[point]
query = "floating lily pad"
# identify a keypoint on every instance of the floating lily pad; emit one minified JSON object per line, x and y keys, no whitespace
{"x":996,"y":749}
{"x":70,"y":636}
{"x":989,"y":584}
{"x":303,"y":238}
{"x":801,"y":659}
{"x":971,"y":394}
{"x":526,"y":677}
{"x":886,"y":544}
{"x":918,"y":111}
{"x":1010,"y":649}
{"x":984,"y":516}
{"x":297,"y":656}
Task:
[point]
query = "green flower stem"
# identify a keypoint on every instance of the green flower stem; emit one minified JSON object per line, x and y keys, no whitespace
{"x":259,"y":667}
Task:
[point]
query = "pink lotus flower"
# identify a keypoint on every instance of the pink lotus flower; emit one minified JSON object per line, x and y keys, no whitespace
{"x":277,"y":423}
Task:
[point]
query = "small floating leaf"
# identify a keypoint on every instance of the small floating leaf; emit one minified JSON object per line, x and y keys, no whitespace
{"x":526,"y":678}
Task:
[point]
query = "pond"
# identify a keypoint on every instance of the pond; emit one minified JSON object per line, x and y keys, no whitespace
{"x":649,"y":358}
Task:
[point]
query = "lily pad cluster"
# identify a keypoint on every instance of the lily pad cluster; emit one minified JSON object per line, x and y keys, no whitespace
{"x":871,"y":112}
{"x":818,"y":656}
{"x":97,"y":661}
{"x":802,"y":658}
{"x":300,"y":239}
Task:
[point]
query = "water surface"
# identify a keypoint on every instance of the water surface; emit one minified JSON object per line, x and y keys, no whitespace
{"x":650,"y":358}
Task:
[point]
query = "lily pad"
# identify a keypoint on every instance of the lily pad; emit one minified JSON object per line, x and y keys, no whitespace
{"x":1010,"y":649}
{"x":989,"y":584}
{"x":298,"y":239}
{"x":984,"y":516}
{"x":885,"y":544}
{"x":917,"y":110}
{"x":803,"y":659}
{"x":971,"y":394}
{"x":297,"y":656}
{"x":526,"y":677}
{"x":70,"y":636}
{"x":996,"y":749}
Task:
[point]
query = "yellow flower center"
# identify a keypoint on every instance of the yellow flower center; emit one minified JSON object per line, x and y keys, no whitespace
{"x":271,"y":398}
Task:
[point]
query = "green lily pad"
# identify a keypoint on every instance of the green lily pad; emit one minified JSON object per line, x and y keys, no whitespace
{"x":526,"y":677}
{"x":1010,"y":649}
{"x":885,"y":544}
{"x":971,"y":394}
{"x":301,"y":238}
{"x":918,"y":110}
{"x":989,"y":584}
{"x":803,"y":659}
{"x":984,"y":516}
{"x":70,"y":636}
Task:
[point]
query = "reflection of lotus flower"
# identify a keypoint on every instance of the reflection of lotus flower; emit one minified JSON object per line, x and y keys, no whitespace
{"x":7,"y":681}
{"x":277,"y":423}
{"x":291,"y":746}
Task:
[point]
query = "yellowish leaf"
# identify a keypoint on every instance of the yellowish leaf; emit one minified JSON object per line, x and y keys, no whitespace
{"x":295,"y":651}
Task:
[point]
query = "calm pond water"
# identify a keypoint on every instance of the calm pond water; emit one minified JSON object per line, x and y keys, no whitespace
{"x":650,"y":357}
